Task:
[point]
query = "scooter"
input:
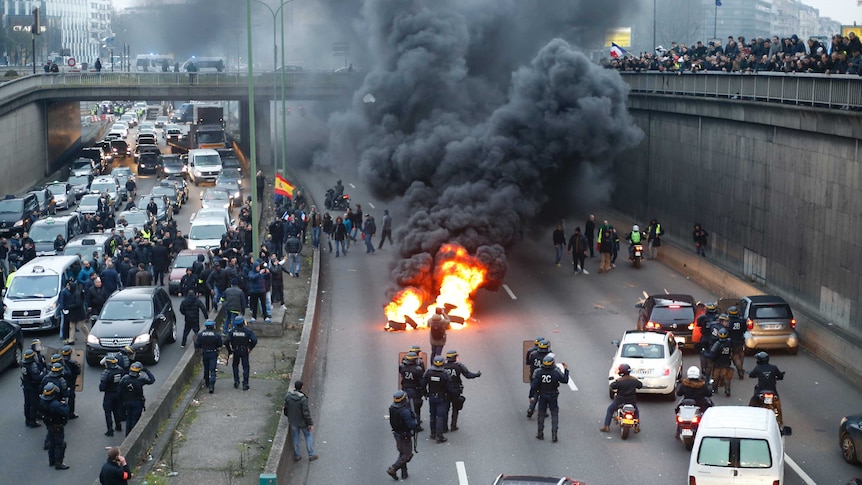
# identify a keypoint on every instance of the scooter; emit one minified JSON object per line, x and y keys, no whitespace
{"x":626,"y":419}
{"x":637,"y":255}
{"x":687,"y":420}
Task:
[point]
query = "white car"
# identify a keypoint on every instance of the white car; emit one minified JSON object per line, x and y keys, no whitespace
{"x":655,"y":359}
{"x":120,"y":128}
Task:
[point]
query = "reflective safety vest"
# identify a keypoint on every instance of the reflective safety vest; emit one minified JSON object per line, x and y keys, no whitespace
{"x":636,"y":237}
{"x":145,"y":234}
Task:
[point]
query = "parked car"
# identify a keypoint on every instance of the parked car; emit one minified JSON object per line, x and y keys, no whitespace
{"x":216,"y":197}
{"x":120,"y":149}
{"x":63,"y":193}
{"x":135,"y":218}
{"x":231,"y":183}
{"x":169,"y":189}
{"x":11,"y":344}
{"x":770,"y":322}
{"x":84,"y":245}
{"x":668,"y":312}
{"x":849,"y":437}
{"x":44,"y":232}
{"x":161,"y":204}
{"x":17,"y":213}
{"x":141,"y":317}
{"x":107,"y":184}
{"x":655,"y":358}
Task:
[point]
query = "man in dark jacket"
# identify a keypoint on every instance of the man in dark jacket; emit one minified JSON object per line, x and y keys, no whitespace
{"x":161,"y":259}
{"x":404,"y":424}
{"x":95,"y":297}
{"x":578,"y":246}
{"x":626,"y":387}
{"x":191,"y":308}
{"x":115,"y":471}
{"x":299,"y":417}
{"x":257,"y":290}
{"x":234,"y":304}
{"x":218,"y":281}
{"x":110,"y":279}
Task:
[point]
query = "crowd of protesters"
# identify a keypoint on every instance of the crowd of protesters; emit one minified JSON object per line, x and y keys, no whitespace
{"x":789,"y":55}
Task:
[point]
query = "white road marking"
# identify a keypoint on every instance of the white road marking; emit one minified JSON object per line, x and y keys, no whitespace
{"x":804,"y":476}
{"x":351,"y":186}
{"x":509,"y":291}
{"x":571,"y":382}
{"x":371,"y":205}
{"x":462,"y":472}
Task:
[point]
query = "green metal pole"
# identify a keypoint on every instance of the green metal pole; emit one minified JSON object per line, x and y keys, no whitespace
{"x":255,"y":207}
{"x":283,"y":105}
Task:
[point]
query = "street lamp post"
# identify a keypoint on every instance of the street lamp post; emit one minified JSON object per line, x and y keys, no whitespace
{"x":654,"y":11}
{"x":255,"y":206}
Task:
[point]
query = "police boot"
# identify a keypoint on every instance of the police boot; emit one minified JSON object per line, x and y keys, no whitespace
{"x":392,"y":473}
{"x":454,"y":425}
{"x":554,"y":436}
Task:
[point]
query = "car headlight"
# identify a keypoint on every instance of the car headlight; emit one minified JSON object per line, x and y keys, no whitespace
{"x":144,"y":338}
{"x":236,"y":195}
{"x":175,"y":281}
{"x":19,"y":224}
{"x":92,"y":339}
{"x":198,"y":172}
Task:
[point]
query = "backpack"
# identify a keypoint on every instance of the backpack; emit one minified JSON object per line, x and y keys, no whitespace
{"x":438,"y":329}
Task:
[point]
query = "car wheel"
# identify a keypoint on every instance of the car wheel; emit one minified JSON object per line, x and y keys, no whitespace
{"x":155,"y":353}
{"x":19,"y":356}
{"x":92,"y":361}
{"x":172,"y":337}
{"x":848,"y":449}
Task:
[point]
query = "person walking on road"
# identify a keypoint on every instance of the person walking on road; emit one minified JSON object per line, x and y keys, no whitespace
{"x":606,"y":247}
{"x":191,"y":308}
{"x":578,"y":245}
{"x":455,"y":370}
{"x":115,"y":471}
{"x":109,"y":383}
{"x":209,"y":341}
{"x":590,"y":232}
{"x":299,"y":417}
{"x":404,"y":425}
{"x":438,"y":324}
{"x":559,"y":239}
{"x":369,"y":229}
{"x":438,"y":388}
{"x":386,"y":229}
{"x":654,"y":234}
{"x":31,"y":378}
{"x":240,"y":342}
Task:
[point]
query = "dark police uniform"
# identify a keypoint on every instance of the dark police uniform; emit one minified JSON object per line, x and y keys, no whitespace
{"x":31,"y":378}
{"x":544,"y":388}
{"x":737,"y":339}
{"x":109,"y":383}
{"x":132,"y":395}
{"x":209,"y":341}
{"x":411,"y":382}
{"x":71,"y":373}
{"x":240,"y":342}
{"x":403,"y":423}
{"x":438,"y":388}
{"x":455,"y":370}
{"x":55,"y":414}
{"x":534,"y":360}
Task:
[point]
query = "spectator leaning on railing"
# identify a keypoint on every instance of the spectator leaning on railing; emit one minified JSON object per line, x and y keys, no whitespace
{"x":789,"y":55}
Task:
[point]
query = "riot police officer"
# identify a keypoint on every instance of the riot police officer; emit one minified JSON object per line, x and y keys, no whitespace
{"x":36,"y":346}
{"x":737,"y":339}
{"x":404,"y":424}
{"x":71,"y":373}
{"x":455,"y":370}
{"x":132,"y":393}
{"x":240,"y":342}
{"x":543,"y":348}
{"x":55,"y":376}
{"x":411,"y":383}
{"x":705,"y":322}
{"x":55,"y":414}
{"x":109,"y":383}
{"x":209,"y":341}
{"x":31,"y":378}
{"x":711,"y":336}
{"x":125,"y":358}
{"x":720,"y":355}
{"x":438,"y":388}
{"x":418,"y":350}
{"x":544,"y":388}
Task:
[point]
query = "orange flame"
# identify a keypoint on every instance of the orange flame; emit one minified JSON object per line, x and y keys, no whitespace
{"x":458,"y":275}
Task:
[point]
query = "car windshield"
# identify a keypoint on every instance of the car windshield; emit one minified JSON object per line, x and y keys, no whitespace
{"x":672,"y":314}
{"x":160,"y":190}
{"x":23,"y":287}
{"x":57,"y":189}
{"x":150,"y":157}
{"x":127,"y":310}
{"x":108,"y":187}
{"x":145,"y":201}
{"x":207,"y":160}
{"x":89,"y":200}
{"x":772,"y":311}
{"x":45,"y":232}
{"x":230,"y":162}
{"x":79,"y":164}
{"x":135,"y":217}
{"x":79,"y":180}
{"x":122,"y":170}
{"x":172,"y":162}
{"x":119,"y":126}
{"x":199,"y":232}
{"x":226,"y":184}
{"x":216,"y":195}
{"x":185,"y":260}
{"x":642,"y":351}
{"x":84,"y":252}
{"x":119,"y":144}
{"x":11,"y":206}
{"x":210,"y":137}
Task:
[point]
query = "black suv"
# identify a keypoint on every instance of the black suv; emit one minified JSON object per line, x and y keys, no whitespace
{"x":17,"y":213}
{"x":668,"y":313}
{"x":141,"y":317}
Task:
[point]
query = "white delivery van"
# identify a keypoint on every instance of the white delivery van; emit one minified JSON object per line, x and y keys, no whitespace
{"x":206,"y":233}
{"x":204,"y":165}
{"x":31,"y":299}
{"x":737,"y":445}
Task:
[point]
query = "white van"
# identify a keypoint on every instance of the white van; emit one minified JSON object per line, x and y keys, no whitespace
{"x":204,"y":165}
{"x":737,"y":445}
{"x":31,"y":299}
{"x":205,"y":64}
{"x":206,"y":233}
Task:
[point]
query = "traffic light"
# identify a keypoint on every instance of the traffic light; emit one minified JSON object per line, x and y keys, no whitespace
{"x":37,"y":22}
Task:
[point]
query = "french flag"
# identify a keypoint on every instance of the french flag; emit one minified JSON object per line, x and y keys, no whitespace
{"x":617,"y":51}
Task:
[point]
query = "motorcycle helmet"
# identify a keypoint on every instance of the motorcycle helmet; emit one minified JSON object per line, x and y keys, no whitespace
{"x":135,"y":369}
{"x":712,"y":307}
{"x":452,"y":355}
{"x":411,"y":356}
{"x":733,"y":311}
{"x":693,"y":373}
{"x":624,"y":370}
{"x":723,"y":333}
{"x":548,"y":360}
{"x":545,"y":344}
{"x":762,"y":358}
{"x":438,"y":361}
{"x":635,"y":228}
{"x":399,"y":396}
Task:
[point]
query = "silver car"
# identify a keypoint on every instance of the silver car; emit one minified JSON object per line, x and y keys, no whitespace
{"x":64,"y":194}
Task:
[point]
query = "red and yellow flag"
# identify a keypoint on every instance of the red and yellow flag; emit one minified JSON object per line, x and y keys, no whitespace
{"x":283,"y":187}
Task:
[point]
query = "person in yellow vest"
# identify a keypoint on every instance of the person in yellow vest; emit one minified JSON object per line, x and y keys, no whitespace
{"x":654,"y":234}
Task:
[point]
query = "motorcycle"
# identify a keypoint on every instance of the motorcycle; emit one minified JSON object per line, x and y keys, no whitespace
{"x":334,"y":202}
{"x":687,"y":420}
{"x":769,"y":400}
{"x":626,"y":419}
{"x":637,"y":255}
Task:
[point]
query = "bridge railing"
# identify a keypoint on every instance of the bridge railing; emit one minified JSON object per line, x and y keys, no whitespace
{"x":836,"y":91}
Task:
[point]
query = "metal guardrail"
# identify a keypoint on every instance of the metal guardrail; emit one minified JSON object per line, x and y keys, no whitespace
{"x":841,"y":91}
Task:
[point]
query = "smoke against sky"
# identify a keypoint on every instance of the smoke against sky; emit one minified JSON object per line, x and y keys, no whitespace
{"x":469,"y":139}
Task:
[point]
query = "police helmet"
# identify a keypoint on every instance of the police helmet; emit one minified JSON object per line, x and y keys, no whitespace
{"x":545,"y":344}
{"x":29,"y":355}
{"x":209,"y":324}
{"x":57,"y":368}
{"x":624,"y":369}
{"x":36,"y":344}
{"x":111,"y":359}
{"x":438,"y":361}
{"x":129,"y":350}
{"x":415,"y":348}
{"x":693,"y":373}
{"x":66,"y":350}
{"x":723,"y":317}
{"x":537,"y":340}
{"x":238,"y":321}
{"x":135,"y":369}
{"x":548,"y":360}
{"x":733,"y":311}
{"x":411,"y":356}
{"x":451,"y":354}
{"x":56,"y":358}
{"x":635,"y":228}
{"x":723,"y":333}
{"x":399,"y":396}
{"x":712,"y":307}
{"x":50,"y":391}
{"x":762,"y":358}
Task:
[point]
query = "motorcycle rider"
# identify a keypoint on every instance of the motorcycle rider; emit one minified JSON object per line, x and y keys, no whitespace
{"x":694,"y":387}
{"x":737,"y":339}
{"x":455,"y":370}
{"x":544,"y":388}
{"x":626,"y":387}
{"x":411,"y":383}
{"x":767,"y":375}
{"x":634,"y":237}
{"x":535,"y":358}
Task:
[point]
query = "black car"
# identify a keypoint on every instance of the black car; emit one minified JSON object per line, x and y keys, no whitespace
{"x":17,"y":213}
{"x":849,"y":435}
{"x":142,"y":317}
{"x":668,"y":313}
{"x":173,"y":165}
{"x":120,"y":149}
{"x":148,"y":162}
{"x":94,"y":154}
{"x":229,"y":161}
{"x":11,"y":344}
